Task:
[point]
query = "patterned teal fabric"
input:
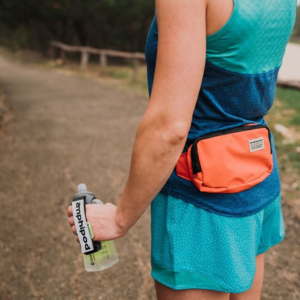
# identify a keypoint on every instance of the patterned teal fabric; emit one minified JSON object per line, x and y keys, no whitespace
{"x":192,"y":248}
{"x":255,"y":36}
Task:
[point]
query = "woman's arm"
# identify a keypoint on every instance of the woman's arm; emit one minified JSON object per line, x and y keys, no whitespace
{"x":162,"y":133}
{"x":163,"y":130}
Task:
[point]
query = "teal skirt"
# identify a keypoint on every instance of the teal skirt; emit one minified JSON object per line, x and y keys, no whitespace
{"x":192,"y":248}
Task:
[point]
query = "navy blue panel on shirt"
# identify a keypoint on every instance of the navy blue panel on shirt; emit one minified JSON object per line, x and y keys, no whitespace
{"x":237,"y":101}
{"x":228,"y":99}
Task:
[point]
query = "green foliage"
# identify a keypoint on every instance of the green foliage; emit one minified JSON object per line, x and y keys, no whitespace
{"x":121,"y":24}
{"x":295,"y":120}
{"x":287,"y":112}
{"x":288,"y":156}
{"x":290,"y":98}
{"x":117,"y":74}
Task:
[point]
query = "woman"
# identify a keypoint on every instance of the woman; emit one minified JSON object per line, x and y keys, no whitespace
{"x":215,"y":64}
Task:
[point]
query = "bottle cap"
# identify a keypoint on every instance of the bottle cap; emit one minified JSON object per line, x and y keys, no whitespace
{"x":82,"y":188}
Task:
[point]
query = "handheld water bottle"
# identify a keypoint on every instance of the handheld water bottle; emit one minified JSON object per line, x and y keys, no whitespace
{"x":97,"y":256}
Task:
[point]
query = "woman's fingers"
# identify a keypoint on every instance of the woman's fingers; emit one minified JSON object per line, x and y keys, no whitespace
{"x":70,"y":212}
{"x":74,"y":229}
{"x":71,"y":221}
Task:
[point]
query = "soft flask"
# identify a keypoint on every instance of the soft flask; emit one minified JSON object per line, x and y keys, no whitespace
{"x":97,"y":256}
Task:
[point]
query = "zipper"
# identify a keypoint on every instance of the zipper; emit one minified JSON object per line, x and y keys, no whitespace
{"x":196,"y":166}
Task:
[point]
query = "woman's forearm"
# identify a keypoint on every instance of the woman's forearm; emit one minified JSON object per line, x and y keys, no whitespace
{"x":154,"y":156}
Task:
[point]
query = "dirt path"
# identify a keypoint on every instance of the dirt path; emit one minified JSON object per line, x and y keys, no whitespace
{"x":66,"y":130}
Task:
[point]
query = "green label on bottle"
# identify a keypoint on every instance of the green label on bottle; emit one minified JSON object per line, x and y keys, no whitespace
{"x":90,"y":229}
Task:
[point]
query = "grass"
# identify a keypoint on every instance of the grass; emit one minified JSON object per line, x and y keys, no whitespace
{"x":286,"y":107}
{"x":286,"y":111}
{"x":117,"y":74}
{"x":290,"y":100}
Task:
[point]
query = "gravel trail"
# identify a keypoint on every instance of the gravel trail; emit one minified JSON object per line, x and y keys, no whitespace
{"x":64,"y":130}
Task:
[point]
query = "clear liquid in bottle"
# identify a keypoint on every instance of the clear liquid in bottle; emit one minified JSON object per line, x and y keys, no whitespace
{"x":101,"y":260}
{"x":106,"y":256}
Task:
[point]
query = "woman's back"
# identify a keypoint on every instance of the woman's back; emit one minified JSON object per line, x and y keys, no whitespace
{"x":243,"y":59}
{"x":254,"y":38}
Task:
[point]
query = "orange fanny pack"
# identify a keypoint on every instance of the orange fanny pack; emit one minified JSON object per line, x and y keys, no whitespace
{"x":228,"y":161}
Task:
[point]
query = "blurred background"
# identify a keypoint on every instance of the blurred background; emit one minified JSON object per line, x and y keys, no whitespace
{"x":73,"y":88}
{"x":111,"y":24}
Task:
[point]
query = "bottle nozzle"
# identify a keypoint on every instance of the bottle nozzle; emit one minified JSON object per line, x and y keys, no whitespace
{"x":82,"y":188}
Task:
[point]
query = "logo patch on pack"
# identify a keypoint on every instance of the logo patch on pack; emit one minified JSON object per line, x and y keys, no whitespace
{"x":256,"y":144}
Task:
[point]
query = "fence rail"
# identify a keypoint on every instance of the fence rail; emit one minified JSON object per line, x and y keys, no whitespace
{"x":135,"y":57}
{"x":103,"y":54}
{"x":294,"y":84}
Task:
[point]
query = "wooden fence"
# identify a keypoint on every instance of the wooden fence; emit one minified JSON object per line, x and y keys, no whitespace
{"x":135,"y":57}
{"x":103,"y":54}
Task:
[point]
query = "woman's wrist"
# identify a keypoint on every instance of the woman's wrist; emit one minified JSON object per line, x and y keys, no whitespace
{"x":121,"y":221}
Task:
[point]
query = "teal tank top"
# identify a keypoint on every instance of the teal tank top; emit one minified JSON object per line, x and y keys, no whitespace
{"x":238,"y":87}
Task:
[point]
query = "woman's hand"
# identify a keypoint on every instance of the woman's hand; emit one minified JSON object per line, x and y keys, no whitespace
{"x":103,"y":221}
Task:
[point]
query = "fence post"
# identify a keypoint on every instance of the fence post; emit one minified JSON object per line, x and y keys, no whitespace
{"x":51,"y":52}
{"x":135,"y":69}
{"x":84,"y":60}
{"x":103,"y":63}
{"x":62,"y":56}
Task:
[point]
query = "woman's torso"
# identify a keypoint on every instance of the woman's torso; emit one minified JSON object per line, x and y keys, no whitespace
{"x":242,"y":62}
